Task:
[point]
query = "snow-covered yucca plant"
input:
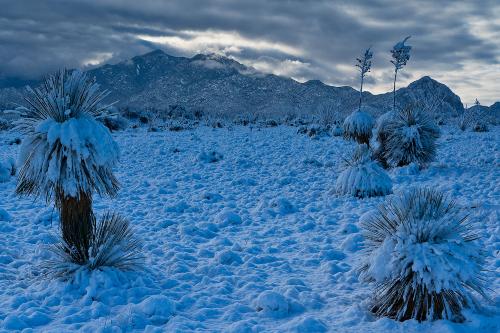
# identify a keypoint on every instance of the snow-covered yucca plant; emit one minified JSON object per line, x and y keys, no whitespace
{"x":363,"y":177}
{"x":421,"y":253}
{"x":408,"y":136}
{"x":67,"y":154}
{"x":358,"y":127}
{"x":112,"y":245}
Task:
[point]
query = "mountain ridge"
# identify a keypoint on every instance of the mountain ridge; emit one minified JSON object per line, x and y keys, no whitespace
{"x":219,"y":84}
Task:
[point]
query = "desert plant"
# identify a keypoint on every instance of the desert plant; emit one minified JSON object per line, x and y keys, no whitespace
{"x":364,"y":64}
{"x":400,"y":55}
{"x":421,"y":252}
{"x":408,"y":136}
{"x":112,"y":245}
{"x":67,"y":154}
{"x":363,"y":177}
{"x":358,"y":127}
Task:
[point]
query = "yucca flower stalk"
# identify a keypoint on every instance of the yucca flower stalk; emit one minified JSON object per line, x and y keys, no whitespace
{"x":364,"y":65}
{"x":400,"y":56}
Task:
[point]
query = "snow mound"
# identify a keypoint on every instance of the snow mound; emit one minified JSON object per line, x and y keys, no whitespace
{"x":156,"y":305}
{"x":272,"y":304}
{"x":7,"y":170}
{"x":227,"y":218}
{"x":4,"y":216}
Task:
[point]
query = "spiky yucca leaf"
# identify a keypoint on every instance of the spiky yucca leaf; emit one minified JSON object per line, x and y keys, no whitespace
{"x":66,"y":150}
{"x":422,"y":254}
{"x":113,"y":244}
{"x":409,"y":136}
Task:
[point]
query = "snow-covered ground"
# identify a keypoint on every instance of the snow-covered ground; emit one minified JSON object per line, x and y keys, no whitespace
{"x":257,"y":241}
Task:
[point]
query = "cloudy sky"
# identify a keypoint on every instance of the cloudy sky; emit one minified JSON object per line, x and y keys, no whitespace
{"x":455,"y":42}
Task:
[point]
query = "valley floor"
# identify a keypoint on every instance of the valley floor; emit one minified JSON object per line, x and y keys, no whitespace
{"x":256,"y":242}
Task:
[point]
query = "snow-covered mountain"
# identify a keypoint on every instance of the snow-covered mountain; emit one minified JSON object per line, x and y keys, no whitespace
{"x":214,"y":83}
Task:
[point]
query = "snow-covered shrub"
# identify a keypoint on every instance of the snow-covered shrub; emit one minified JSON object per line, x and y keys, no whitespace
{"x":112,"y":244}
{"x":480,"y":126}
{"x":210,"y":157}
{"x":363,"y":177}
{"x":5,"y":125}
{"x":7,"y":170}
{"x":336,"y":129}
{"x":358,"y":126}
{"x":408,"y":136}
{"x":67,"y":154}
{"x":421,"y":253}
{"x":115,"y":122}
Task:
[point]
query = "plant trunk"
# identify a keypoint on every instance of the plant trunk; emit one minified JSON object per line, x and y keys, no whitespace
{"x":361,"y":93}
{"x":394,"y":91}
{"x":77,"y":225}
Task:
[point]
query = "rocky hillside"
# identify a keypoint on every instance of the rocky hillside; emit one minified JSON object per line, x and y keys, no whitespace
{"x":213,"y":83}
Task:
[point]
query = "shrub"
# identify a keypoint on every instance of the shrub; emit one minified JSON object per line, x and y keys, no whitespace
{"x":358,"y":127}
{"x":112,"y":245}
{"x":409,"y":136}
{"x":421,"y":253}
{"x":5,"y":125}
{"x":363,"y":177}
{"x":115,"y":122}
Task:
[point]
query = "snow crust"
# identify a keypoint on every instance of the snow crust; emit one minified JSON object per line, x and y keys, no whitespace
{"x":206,"y":270}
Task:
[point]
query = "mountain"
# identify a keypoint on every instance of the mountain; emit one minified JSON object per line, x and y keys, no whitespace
{"x":214,"y":83}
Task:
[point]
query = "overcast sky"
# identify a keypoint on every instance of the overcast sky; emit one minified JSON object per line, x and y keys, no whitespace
{"x":455,"y":42}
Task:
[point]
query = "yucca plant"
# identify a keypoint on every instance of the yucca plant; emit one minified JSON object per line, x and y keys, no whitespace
{"x":67,"y":155}
{"x":112,"y":244}
{"x":358,"y":127}
{"x":421,"y":252}
{"x":363,"y":177}
{"x":408,"y":136}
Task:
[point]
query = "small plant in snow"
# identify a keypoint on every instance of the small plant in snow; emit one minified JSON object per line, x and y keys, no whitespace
{"x":363,"y":177}
{"x":400,"y":56}
{"x":364,"y":64}
{"x":422,"y":254}
{"x":358,"y":126}
{"x":408,"y":136}
{"x":112,"y":245}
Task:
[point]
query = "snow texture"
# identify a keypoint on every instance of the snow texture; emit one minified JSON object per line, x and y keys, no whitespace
{"x":307,"y":255}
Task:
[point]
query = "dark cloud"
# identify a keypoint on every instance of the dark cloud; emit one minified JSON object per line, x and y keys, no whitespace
{"x":458,"y":43}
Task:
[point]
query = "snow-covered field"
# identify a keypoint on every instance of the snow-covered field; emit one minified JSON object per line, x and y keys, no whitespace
{"x":255,"y":242}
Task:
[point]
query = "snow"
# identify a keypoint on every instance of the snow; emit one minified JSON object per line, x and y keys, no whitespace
{"x":292,"y":253}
